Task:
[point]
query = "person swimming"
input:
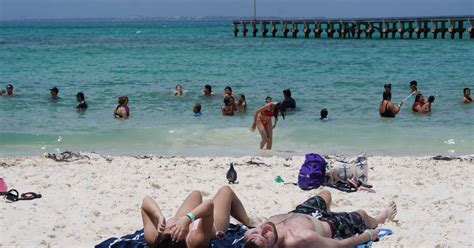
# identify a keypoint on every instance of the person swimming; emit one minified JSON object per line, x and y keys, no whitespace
{"x":241,"y":105}
{"x":413,"y":86}
{"x":288,"y":102}
{"x":227,"y":91}
{"x":387,"y":108}
{"x":178,"y":90}
{"x":207,"y":90}
{"x":197,"y":110}
{"x":263,"y":121}
{"x":54,"y":93}
{"x":418,"y":104}
{"x":427,"y":106}
{"x":122,"y":111}
{"x":324,"y":114}
{"x":82,"y":102}
{"x":228,"y":107}
{"x":8,"y":91}
{"x":467,"y":96}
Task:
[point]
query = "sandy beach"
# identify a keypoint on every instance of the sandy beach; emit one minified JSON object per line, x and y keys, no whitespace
{"x":97,"y":197}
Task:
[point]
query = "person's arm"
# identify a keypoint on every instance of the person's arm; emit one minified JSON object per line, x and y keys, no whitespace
{"x":313,"y":240}
{"x":181,"y":228}
{"x":393,"y":108}
{"x":254,"y":125}
{"x":154,"y":222}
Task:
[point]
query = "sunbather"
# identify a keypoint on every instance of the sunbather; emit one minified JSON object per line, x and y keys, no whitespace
{"x":312,"y":224}
{"x":195,"y":223}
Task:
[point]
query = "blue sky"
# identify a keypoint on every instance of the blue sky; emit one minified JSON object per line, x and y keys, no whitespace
{"x":46,"y":9}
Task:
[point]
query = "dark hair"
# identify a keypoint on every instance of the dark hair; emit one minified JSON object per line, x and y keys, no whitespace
{"x":197,"y":107}
{"x":9,"y":86}
{"x":226,"y":101}
{"x":166,"y":241}
{"x":387,"y":96}
{"x":466,"y":89}
{"x":324,"y":113}
{"x":387,"y":86}
{"x":431,"y":99}
{"x":418,"y":97}
{"x":208,"y":87}
{"x":80,"y":95}
{"x":279,"y":108}
{"x":228,"y":88}
{"x":268,"y":98}
{"x":287,"y":93}
{"x":243,"y":96}
{"x":413,"y":82}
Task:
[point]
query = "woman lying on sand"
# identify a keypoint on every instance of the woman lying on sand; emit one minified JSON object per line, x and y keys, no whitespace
{"x":195,"y":223}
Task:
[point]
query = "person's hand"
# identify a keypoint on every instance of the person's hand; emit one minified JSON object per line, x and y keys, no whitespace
{"x":180,"y":229}
{"x":253,"y":127}
{"x":161,"y":225}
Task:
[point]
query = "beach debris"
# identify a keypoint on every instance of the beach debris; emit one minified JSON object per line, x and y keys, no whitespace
{"x":278,"y":179}
{"x":231,"y":174}
{"x":444,"y":158}
{"x":150,"y":157}
{"x":5,"y":165}
{"x":66,"y":156}
{"x":255,"y":163}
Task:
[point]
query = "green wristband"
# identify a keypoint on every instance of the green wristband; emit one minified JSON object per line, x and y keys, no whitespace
{"x":191,"y":216}
{"x":370,"y":235}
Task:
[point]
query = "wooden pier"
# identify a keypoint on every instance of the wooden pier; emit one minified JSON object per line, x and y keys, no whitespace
{"x":406,"y":27}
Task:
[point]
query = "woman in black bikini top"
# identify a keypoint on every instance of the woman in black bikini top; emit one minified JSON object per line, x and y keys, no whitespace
{"x":387,"y":108}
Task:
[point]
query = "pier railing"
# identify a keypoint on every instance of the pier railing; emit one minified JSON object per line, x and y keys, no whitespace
{"x":395,"y":27}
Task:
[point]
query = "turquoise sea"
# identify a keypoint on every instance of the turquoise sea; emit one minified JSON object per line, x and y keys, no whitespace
{"x":145,"y":60}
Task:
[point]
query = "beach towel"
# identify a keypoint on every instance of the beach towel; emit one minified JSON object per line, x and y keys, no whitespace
{"x":3,"y":186}
{"x":233,"y":238}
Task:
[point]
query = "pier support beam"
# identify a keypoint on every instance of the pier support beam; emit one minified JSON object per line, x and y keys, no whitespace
{"x":434,"y":29}
{"x":264,"y":29}
{"x":394,"y":29}
{"x":330,"y":29}
{"x":274,"y":29}
{"x":244,"y":29}
{"x":294,"y":29}
{"x":410,"y":29}
{"x":384,"y":29}
{"x":343,"y":30}
{"x":306,"y":30}
{"x":443,"y":29}
{"x":356,"y":31}
{"x":470,"y":30}
{"x":254,"y":29}
{"x":318,"y":30}
{"x":235,"y":29}
{"x":401,"y":29}
{"x":369,"y":30}
{"x":285,"y":29}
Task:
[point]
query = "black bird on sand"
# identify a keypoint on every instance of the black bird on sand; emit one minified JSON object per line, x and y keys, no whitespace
{"x":231,"y":174}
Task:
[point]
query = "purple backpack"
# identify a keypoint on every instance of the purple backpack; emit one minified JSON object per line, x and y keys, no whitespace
{"x":312,"y":172}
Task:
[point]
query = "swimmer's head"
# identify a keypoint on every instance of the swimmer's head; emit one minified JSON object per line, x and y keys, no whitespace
{"x":9,"y":88}
{"x":431,"y":99}
{"x":122,"y":100}
{"x":467,"y":91}
{"x":287,"y":93}
{"x":228,"y":90}
{"x":207,"y":89}
{"x":268,"y":99}
{"x":241,"y":98}
{"x":80,"y":97}
{"x":419,"y":98}
{"x":197,"y":108}
{"x":413,"y":85}
{"x":324,"y":113}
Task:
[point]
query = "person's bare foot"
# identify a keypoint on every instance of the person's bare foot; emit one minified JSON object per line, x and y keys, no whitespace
{"x":388,"y":213}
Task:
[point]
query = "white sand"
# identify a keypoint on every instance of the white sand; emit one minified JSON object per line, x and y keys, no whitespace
{"x":87,"y":201}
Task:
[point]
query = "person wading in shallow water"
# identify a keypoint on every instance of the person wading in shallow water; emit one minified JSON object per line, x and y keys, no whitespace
{"x":263,"y":121}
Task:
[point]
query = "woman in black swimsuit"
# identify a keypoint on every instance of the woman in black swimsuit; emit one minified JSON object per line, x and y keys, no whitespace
{"x":387,"y":108}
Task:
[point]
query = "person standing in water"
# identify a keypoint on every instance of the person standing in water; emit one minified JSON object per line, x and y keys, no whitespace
{"x":8,"y":92}
{"x":241,"y":105}
{"x":82,"y":106}
{"x":467,"y":96}
{"x":122,"y":111}
{"x":263,"y":121}
{"x":413,"y":86}
{"x":207,"y":90}
{"x":387,"y":108}
{"x":178,"y":90}
{"x":54,"y":93}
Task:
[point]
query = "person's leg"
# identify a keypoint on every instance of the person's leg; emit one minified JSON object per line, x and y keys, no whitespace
{"x":269,"y":130}
{"x":326,"y":195}
{"x":191,"y":202}
{"x":150,"y":221}
{"x":263,"y":134}
{"x":388,"y":213}
{"x":226,"y":204}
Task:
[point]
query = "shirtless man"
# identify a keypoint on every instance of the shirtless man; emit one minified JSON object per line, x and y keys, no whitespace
{"x":312,"y":224}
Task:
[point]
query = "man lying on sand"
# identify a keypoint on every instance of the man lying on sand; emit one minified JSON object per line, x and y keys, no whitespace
{"x":312,"y":224}
{"x":195,"y":223}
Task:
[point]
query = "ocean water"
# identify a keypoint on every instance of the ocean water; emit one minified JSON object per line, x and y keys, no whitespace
{"x":145,"y":60}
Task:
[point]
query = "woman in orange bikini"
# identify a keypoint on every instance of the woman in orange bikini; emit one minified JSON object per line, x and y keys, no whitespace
{"x":263,"y":121}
